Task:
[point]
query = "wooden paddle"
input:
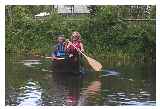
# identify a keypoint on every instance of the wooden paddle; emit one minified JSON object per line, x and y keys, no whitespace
{"x":92,"y":62}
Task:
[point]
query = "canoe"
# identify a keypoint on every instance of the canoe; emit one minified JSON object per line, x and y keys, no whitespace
{"x":70,"y":65}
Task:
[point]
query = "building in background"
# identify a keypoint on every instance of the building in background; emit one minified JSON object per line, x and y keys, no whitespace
{"x":75,"y":10}
{"x":65,"y":10}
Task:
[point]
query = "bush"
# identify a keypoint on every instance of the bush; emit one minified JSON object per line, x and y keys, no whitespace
{"x":104,"y":31}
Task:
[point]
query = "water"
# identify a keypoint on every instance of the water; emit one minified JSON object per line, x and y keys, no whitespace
{"x":31,"y":81}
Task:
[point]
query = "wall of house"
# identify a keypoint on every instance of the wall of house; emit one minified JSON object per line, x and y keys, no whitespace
{"x":72,"y":9}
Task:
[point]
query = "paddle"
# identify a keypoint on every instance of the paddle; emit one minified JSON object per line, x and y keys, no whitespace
{"x":51,"y":58}
{"x":92,"y":62}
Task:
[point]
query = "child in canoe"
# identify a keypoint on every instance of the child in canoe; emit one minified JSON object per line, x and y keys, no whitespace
{"x":59,"y":48}
{"x":76,"y":41}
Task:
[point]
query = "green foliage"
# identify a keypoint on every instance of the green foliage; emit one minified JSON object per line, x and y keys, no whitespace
{"x":104,"y":31}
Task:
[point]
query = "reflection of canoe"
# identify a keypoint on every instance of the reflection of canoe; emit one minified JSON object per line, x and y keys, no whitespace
{"x":67,"y":65}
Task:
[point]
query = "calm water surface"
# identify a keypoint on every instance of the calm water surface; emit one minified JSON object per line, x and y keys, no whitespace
{"x":31,"y":81}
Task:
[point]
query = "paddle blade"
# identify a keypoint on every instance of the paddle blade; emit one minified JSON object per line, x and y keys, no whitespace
{"x":48,"y":57}
{"x":94,"y":64}
{"x":57,"y":58}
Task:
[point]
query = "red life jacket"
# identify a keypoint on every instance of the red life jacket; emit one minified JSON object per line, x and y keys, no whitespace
{"x":72,"y":49}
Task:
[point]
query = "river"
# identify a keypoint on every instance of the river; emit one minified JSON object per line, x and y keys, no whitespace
{"x":31,"y":81}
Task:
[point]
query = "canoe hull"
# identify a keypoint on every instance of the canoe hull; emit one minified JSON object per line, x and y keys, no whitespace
{"x":71,"y":65}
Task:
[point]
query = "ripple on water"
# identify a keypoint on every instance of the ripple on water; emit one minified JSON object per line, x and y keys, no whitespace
{"x":109,"y":73}
{"x":29,"y":63}
{"x":121,"y":98}
{"x":30,"y":94}
{"x":46,"y":70}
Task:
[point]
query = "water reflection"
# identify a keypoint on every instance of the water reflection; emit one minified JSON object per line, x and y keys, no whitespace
{"x":35,"y":83}
{"x":29,"y":63}
{"x":127,"y":90}
{"x":128,"y":99}
{"x":109,"y":73}
{"x":90,"y":93}
{"x":70,"y":90}
{"x":64,"y":89}
{"x":30,"y":94}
